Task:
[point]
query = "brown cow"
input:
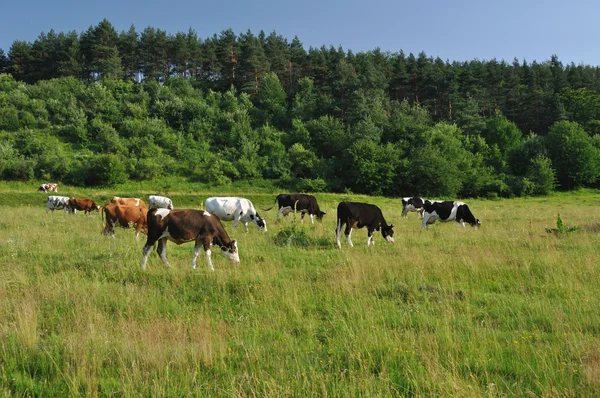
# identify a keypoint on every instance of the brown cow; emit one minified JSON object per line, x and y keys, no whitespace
{"x":85,"y":205}
{"x":181,"y":226}
{"x":48,"y":188}
{"x":128,"y":201}
{"x":124,"y":216}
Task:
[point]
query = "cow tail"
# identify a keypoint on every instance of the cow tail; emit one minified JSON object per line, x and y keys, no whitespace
{"x":271,"y":206}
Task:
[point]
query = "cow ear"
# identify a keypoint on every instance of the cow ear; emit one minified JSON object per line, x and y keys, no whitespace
{"x":392,"y":226}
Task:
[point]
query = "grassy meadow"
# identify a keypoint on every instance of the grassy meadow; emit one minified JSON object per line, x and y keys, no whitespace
{"x":507,"y":310}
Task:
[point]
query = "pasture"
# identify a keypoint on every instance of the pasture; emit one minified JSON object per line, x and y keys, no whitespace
{"x":505,"y":310}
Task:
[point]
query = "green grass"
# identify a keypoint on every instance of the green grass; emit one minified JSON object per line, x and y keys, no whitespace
{"x":507,"y":310}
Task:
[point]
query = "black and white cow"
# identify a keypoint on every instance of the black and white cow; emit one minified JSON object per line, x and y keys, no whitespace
{"x":236,"y":209}
{"x":304,"y":203}
{"x":448,"y":211}
{"x":57,"y":202}
{"x":413,"y":203}
{"x":182,"y":226}
{"x":358,"y":215}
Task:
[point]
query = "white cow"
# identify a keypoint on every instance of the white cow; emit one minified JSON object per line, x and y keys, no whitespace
{"x":236,"y":209}
{"x":160,"y":202}
{"x":57,"y":202}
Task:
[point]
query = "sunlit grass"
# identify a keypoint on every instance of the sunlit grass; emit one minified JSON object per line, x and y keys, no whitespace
{"x":504,"y":310}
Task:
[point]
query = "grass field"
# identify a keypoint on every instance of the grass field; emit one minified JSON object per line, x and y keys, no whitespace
{"x":507,"y":310}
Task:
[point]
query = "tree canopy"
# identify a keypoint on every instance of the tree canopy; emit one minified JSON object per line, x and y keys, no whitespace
{"x":247,"y":106}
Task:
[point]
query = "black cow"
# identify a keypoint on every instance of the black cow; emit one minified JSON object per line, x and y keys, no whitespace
{"x":305,"y":204}
{"x":181,"y":226}
{"x":358,"y":215}
{"x":414,"y":203}
{"x":448,"y":211}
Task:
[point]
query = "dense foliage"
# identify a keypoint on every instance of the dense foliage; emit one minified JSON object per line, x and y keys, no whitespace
{"x":98,"y":107}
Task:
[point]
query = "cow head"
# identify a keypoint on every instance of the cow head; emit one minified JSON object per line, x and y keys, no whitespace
{"x":261,"y":223}
{"x":320,"y":215}
{"x":388,"y":233}
{"x":230,"y":250}
{"x":477,"y":223}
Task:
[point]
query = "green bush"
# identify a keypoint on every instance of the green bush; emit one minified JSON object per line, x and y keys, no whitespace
{"x":106,"y":170}
{"x":312,"y":185}
{"x":541,"y":174}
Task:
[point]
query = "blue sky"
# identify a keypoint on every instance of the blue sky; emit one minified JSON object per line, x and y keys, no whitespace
{"x":460,"y":30}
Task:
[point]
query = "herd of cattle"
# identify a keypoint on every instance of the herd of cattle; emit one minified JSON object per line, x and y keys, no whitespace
{"x":162,"y":223}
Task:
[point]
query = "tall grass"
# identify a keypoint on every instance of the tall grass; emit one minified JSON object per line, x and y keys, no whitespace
{"x":505,"y":310}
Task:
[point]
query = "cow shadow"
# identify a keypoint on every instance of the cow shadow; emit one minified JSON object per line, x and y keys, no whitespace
{"x":593,"y":228}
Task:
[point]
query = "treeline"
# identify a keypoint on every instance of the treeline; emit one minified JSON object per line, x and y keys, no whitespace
{"x":99,"y":107}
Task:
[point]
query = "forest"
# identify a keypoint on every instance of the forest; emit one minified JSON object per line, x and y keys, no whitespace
{"x":100,"y":107}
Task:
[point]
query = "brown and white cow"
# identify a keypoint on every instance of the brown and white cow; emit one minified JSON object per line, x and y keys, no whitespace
{"x":125,"y":217}
{"x":48,"y":188}
{"x":182,"y":226}
{"x":128,"y":201}
{"x":85,"y":205}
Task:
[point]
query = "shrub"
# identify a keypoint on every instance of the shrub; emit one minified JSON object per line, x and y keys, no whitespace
{"x":312,"y":185}
{"x":541,"y":174}
{"x":106,"y":170}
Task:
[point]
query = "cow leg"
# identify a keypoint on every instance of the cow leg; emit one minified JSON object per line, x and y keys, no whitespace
{"x":404,"y":212}
{"x":425,"y":224}
{"x":348,"y":232}
{"x":236,"y":219}
{"x":145,"y":253}
{"x":138,"y":229}
{"x":312,"y":220}
{"x":338,"y":233}
{"x":207,"y":243}
{"x":302,"y":217}
{"x":197,"y":249}
{"x":162,"y":250}
{"x":370,"y":240}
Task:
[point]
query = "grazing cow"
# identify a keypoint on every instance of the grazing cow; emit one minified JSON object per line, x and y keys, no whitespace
{"x":160,"y":202}
{"x":57,"y":202}
{"x":448,"y":211}
{"x":414,"y":203}
{"x":128,"y":201}
{"x":124,"y":216}
{"x":85,"y":205}
{"x":305,"y":204}
{"x":236,"y":209}
{"x":48,"y":188}
{"x":181,"y":226}
{"x":358,"y":215}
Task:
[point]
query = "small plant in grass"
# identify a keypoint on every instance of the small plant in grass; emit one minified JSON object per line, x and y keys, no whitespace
{"x":561,"y":228}
{"x":293,"y":235}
